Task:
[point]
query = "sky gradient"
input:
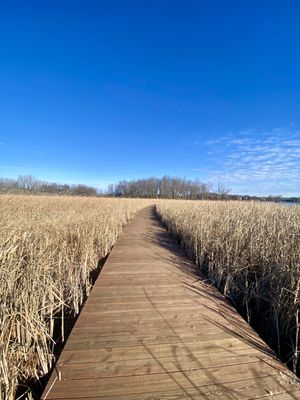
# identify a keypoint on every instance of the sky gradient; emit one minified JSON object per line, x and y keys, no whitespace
{"x":98,"y":91}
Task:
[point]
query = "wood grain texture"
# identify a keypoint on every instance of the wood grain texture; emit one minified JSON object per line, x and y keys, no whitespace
{"x":153,"y":329}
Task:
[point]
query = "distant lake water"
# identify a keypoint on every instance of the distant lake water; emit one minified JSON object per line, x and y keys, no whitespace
{"x":288,"y":203}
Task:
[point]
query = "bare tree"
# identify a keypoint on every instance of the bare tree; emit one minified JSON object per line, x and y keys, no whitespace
{"x":223,"y":191}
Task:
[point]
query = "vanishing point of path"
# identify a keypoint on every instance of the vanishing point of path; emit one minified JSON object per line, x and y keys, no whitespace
{"x":152,"y":329}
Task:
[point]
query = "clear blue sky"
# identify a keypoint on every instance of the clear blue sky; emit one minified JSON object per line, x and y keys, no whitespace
{"x":97,"y":91}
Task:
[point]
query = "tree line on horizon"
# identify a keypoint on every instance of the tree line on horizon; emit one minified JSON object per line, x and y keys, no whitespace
{"x":167,"y":187}
{"x":29,"y":184}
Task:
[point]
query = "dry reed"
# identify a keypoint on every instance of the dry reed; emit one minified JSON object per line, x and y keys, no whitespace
{"x":48,"y":247}
{"x":251,"y":251}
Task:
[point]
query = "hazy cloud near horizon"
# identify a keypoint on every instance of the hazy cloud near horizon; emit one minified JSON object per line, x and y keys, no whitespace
{"x":257,"y":162}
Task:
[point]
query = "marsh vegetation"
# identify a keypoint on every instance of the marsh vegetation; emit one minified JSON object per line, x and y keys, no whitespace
{"x":48,"y":248}
{"x":251,"y":252}
{"x":50,"y":245}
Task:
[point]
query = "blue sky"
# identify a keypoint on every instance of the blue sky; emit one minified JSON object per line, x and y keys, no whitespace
{"x":97,"y":91}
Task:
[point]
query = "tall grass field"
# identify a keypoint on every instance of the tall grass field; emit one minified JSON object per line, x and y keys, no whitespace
{"x":48,"y":248}
{"x":50,"y":245}
{"x":251,"y":252}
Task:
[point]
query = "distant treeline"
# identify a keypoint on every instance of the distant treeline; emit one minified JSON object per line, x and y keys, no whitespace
{"x":29,"y":184}
{"x":167,"y":187}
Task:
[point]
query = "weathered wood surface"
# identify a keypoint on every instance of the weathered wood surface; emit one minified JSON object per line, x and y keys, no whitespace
{"x":152,"y":329}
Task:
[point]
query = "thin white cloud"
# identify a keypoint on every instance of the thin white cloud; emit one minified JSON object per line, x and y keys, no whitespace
{"x":216,"y":141}
{"x":267,"y":161}
{"x":4,"y":167}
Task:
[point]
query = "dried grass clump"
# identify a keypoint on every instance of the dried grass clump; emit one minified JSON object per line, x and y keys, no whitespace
{"x":251,"y":251}
{"x":48,"y":247}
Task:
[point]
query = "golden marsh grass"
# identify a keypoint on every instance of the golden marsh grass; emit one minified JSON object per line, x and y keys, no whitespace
{"x":251,"y":252}
{"x":48,"y":247}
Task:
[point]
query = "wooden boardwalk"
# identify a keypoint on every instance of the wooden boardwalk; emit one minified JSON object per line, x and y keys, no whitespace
{"x":152,"y":329}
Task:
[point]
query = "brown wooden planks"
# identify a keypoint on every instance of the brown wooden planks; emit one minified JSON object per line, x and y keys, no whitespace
{"x":152,"y":329}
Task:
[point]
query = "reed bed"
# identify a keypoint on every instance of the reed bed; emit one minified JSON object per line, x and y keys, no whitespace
{"x":48,"y":248}
{"x":251,"y":252}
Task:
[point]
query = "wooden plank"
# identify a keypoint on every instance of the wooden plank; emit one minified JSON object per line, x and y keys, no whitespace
{"x":230,"y":345}
{"x":211,"y":392}
{"x":88,"y":340}
{"x":293,"y":395}
{"x":226,"y":386}
{"x":151,"y":366}
{"x":152,"y":329}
